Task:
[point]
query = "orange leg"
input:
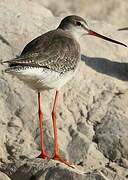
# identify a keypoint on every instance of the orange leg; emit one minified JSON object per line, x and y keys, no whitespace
{"x":43,"y":154}
{"x":56,"y":147}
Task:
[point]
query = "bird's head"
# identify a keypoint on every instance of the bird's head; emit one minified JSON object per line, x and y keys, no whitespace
{"x":78,"y":27}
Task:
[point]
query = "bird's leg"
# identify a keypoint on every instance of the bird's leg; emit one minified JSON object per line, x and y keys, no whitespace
{"x":56,"y":147}
{"x":43,"y":154}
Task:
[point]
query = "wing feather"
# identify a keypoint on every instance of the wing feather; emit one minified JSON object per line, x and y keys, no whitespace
{"x":55,"y":50}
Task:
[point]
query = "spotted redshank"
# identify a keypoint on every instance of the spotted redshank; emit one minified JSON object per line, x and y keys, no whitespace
{"x":48,"y":62}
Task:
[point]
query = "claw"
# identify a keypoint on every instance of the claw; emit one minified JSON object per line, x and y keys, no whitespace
{"x":58,"y":158}
{"x":43,"y":155}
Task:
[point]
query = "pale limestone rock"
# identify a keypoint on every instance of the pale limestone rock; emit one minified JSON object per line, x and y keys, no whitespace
{"x":92,"y":118}
{"x":4,"y":176}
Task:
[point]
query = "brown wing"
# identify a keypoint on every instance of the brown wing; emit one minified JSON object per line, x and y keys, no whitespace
{"x":54,"y":50}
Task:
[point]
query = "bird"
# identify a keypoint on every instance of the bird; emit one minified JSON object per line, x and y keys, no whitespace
{"x":49,"y":62}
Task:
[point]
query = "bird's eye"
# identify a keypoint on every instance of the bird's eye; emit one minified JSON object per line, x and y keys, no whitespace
{"x":78,"y":23}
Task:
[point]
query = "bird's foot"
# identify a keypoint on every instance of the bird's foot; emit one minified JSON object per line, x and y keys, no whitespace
{"x":43,"y":155}
{"x":58,"y":158}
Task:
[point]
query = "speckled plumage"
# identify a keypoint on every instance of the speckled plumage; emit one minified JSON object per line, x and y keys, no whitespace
{"x":55,"y":50}
{"x":50,"y":60}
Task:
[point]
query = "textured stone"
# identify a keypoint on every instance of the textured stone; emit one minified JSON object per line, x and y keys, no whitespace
{"x":112,"y":133}
{"x":92,"y":117}
{"x":4,"y":176}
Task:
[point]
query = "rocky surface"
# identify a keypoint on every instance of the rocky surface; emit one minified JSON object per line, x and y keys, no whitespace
{"x":3,"y":176}
{"x":93,"y":113}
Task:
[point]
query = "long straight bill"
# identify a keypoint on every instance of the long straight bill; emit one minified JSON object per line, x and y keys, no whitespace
{"x":93,"y":33}
{"x":123,"y":29}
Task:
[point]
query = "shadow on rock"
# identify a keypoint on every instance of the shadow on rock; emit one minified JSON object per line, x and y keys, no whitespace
{"x":105,"y":66}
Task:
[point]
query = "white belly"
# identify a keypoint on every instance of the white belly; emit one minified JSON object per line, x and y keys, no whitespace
{"x":43,"y":79}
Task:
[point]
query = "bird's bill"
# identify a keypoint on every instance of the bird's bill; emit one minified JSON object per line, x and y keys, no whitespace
{"x":123,"y":29}
{"x":93,"y":33}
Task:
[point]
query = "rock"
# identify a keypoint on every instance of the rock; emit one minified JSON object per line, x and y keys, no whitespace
{"x":111,"y":134}
{"x":108,"y":11}
{"x":92,"y":118}
{"x":78,"y":147}
{"x":4,"y":176}
{"x":37,"y":169}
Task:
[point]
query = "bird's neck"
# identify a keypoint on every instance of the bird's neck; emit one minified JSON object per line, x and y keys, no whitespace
{"x":75,"y":35}
{"x":71,"y":32}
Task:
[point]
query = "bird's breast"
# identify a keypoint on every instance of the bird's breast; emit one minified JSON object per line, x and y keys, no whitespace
{"x":43,"y":79}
